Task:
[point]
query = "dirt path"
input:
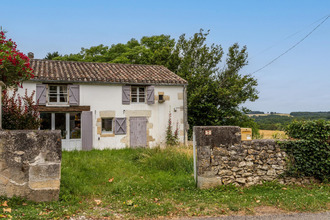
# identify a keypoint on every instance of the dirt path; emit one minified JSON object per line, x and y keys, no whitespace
{"x":295,"y":216}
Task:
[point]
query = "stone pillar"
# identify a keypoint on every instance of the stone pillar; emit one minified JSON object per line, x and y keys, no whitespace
{"x":206,"y":139}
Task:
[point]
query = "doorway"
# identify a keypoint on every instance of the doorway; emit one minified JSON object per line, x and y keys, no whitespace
{"x":138,"y":132}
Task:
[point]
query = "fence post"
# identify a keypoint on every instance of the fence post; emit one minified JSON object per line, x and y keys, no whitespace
{"x":194,"y":153}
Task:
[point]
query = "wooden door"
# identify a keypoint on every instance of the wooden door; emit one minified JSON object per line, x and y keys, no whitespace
{"x":87,"y":130}
{"x":138,"y":132}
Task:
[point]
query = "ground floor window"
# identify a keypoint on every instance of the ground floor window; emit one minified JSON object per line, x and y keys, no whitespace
{"x":68,"y":122}
{"x":107,"y":125}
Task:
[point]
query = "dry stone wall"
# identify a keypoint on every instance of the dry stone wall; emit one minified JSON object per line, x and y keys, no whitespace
{"x":222,"y":158}
{"x":30,"y":164}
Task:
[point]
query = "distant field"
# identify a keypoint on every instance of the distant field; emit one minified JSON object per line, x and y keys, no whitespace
{"x":270,"y":134}
{"x":251,"y":115}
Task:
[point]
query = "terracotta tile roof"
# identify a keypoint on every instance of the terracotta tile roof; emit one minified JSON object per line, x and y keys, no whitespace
{"x":68,"y":71}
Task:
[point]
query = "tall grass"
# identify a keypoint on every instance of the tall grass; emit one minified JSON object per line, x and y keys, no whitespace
{"x":88,"y":173}
{"x":168,"y":159}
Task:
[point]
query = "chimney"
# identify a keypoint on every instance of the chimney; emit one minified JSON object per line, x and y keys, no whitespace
{"x":30,"y":55}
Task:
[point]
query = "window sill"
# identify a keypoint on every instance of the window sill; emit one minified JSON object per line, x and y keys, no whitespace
{"x":57,"y":105}
{"x":107,"y":135}
{"x":136,"y":103}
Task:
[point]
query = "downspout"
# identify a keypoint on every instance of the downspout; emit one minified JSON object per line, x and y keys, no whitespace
{"x":185,"y":119}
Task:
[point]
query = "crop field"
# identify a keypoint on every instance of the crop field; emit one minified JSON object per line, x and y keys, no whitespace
{"x":271,"y":134}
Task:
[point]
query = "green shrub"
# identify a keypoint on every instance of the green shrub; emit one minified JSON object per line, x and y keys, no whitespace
{"x":19,"y":112}
{"x":172,"y":139}
{"x":309,"y":151}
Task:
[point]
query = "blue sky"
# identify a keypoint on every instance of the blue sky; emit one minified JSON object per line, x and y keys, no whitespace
{"x":298,"y":81}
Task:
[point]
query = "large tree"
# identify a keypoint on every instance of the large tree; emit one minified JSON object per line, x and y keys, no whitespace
{"x":216,"y":89}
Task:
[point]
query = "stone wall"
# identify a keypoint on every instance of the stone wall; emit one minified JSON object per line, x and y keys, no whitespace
{"x":222,"y":158}
{"x":30,"y":164}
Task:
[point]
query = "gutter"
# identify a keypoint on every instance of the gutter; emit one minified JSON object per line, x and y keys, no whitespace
{"x":185,"y":118}
{"x":103,"y":82}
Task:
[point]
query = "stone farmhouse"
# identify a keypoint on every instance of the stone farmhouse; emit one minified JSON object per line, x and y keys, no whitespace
{"x":104,"y":105}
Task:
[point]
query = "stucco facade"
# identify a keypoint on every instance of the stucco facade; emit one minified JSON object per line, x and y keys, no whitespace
{"x":105,"y":101}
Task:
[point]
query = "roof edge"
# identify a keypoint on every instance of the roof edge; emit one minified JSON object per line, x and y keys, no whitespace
{"x":102,"y":82}
{"x":124,"y":64}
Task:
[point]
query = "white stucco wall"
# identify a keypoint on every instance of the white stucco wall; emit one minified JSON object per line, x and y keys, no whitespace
{"x":108,"y":97}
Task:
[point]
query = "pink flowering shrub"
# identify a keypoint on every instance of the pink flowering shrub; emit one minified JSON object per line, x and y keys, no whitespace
{"x":19,"y":113}
{"x":14,"y":65}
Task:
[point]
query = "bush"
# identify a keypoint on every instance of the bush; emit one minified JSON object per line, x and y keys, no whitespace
{"x":14,"y":65}
{"x":309,"y":151}
{"x":19,"y":113}
{"x":171,"y":138}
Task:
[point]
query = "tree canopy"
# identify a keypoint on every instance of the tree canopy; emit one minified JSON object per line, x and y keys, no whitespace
{"x":216,"y":88}
{"x":51,"y":56}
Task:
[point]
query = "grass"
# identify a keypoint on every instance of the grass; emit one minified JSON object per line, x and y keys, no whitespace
{"x":149,"y":183}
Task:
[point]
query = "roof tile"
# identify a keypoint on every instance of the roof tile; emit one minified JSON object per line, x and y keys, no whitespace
{"x":56,"y":70}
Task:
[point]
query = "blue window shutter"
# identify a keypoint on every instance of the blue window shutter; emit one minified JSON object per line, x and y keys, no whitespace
{"x":41,"y":94}
{"x":126,"y":95}
{"x":74,"y":94}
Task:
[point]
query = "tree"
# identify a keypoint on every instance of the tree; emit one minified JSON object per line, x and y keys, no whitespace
{"x":215,"y":95}
{"x":51,"y":56}
{"x":14,"y":65}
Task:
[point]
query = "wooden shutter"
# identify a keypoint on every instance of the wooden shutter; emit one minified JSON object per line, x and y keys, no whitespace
{"x":120,"y":126}
{"x":41,"y":94}
{"x":74,"y":94}
{"x":126,"y":95}
{"x":151,"y":95}
{"x":87,"y":130}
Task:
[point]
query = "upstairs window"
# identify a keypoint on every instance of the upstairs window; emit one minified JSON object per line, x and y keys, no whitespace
{"x":58,"y":94}
{"x":138,"y":94}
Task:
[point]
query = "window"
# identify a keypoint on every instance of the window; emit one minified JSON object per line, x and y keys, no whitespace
{"x":68,"y":122}
{"x":138,"y":94}
{"x":107,"y":125}
{"x":75,"y":125}
{"x":46,"y":121}
{"x":57,"y":94}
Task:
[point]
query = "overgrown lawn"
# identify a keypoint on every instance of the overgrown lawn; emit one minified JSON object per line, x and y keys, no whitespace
{"x":147,"y":183}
